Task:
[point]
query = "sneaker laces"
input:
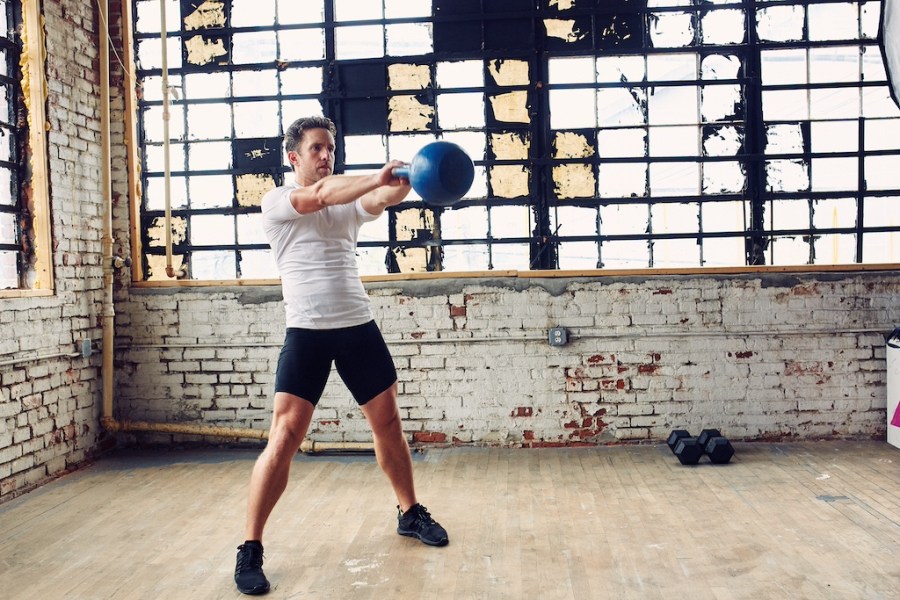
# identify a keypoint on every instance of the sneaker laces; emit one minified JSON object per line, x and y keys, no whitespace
{"x":249,"y":558}
{"x":424,"y":516}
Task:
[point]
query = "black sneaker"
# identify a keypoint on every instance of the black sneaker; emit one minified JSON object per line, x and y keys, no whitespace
{"x":248,"y":574}
{"x":416,"y":522}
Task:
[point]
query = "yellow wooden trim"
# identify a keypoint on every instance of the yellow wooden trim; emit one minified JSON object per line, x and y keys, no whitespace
{"x":34,"y":88}
{"x":596,"y":273}
{"x":135,"y":193}
{"x":25,"y":293}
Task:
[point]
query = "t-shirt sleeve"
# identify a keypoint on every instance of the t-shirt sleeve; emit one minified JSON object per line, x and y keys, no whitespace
{"x":362,"y":214}
{"x":276,"y":205}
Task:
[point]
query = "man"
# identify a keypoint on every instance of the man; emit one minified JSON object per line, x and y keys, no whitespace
{"x":312,"y":225}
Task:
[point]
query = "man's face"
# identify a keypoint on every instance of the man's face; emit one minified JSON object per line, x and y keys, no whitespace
{"x":314,"y":158}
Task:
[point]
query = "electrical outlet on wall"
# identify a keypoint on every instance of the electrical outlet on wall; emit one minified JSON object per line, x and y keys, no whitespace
{"x":559,"y":336}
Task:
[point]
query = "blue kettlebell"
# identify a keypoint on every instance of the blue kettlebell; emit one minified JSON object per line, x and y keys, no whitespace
{"x":441,"y":172}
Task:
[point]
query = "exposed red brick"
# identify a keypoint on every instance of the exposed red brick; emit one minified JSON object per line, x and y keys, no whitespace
{"x":522,"y":411}
{"x":745,"y":354}
{"x":648,"y":369}
{"x":430,"y":437}
{"x":457,"y":311}
{"x":662,"y":292}
{"x":417,"y":335}
{"x":597,"y":358}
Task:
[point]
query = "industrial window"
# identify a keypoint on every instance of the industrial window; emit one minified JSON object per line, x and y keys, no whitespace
{"x":24,"y":203}
{"x":623,"y":134}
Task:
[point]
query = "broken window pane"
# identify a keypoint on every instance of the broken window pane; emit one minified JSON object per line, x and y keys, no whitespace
{"x":509,"y":181}
{"x":573,"y":181}
{"x":833,"y":21}
{"x":510,"y":107}
{"x":780,"y":23}
{"x":723,"y":26}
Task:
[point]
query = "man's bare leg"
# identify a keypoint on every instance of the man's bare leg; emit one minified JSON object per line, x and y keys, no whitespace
{"x":290,"y":420}
{"x":392,"y":452}
{"x":391,"y":448}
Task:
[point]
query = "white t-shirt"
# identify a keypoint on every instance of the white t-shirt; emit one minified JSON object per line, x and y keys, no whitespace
{"x":316,"y":258}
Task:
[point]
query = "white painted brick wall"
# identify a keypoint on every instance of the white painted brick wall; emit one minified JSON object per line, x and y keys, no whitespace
{"x":759,"y":357}
{"x":49,"y":408}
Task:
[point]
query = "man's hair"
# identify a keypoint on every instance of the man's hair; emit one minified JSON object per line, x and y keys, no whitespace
{"x":294,"y":134}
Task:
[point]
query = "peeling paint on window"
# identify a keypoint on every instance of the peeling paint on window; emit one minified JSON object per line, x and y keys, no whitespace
{"x":562,"y":4}
{"x":574,"y":181}
{"x":408,"y":113}
{"x":412,"y":260}
{"x":672,"y":29}
{"x":156,"y":266}
{"x":564,"y":29}
{"x":202,"y":51}
{"x":511,"y":107}
{"x":509,"y":72}
{"x":414,"y":223}
{"x":567,"y":144}
{"x":509,"y":181}
{"x":510,"y":146}
{"x":209,"y":14}
{"x":251,"y":187}
{"x":409,"y":77}
{"x":157,"y":231}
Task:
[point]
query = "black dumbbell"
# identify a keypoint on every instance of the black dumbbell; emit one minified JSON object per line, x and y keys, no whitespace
{"x":676,"y":435}
{"x":719,"y":450}
{"x":688,"y":450}
{"x":706,"y":434}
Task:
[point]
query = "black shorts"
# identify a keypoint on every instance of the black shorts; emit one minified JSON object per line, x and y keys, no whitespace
{"x":359,"y":353}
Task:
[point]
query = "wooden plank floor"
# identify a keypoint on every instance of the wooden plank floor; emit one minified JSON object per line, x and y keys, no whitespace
{"x":796,"y":521}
